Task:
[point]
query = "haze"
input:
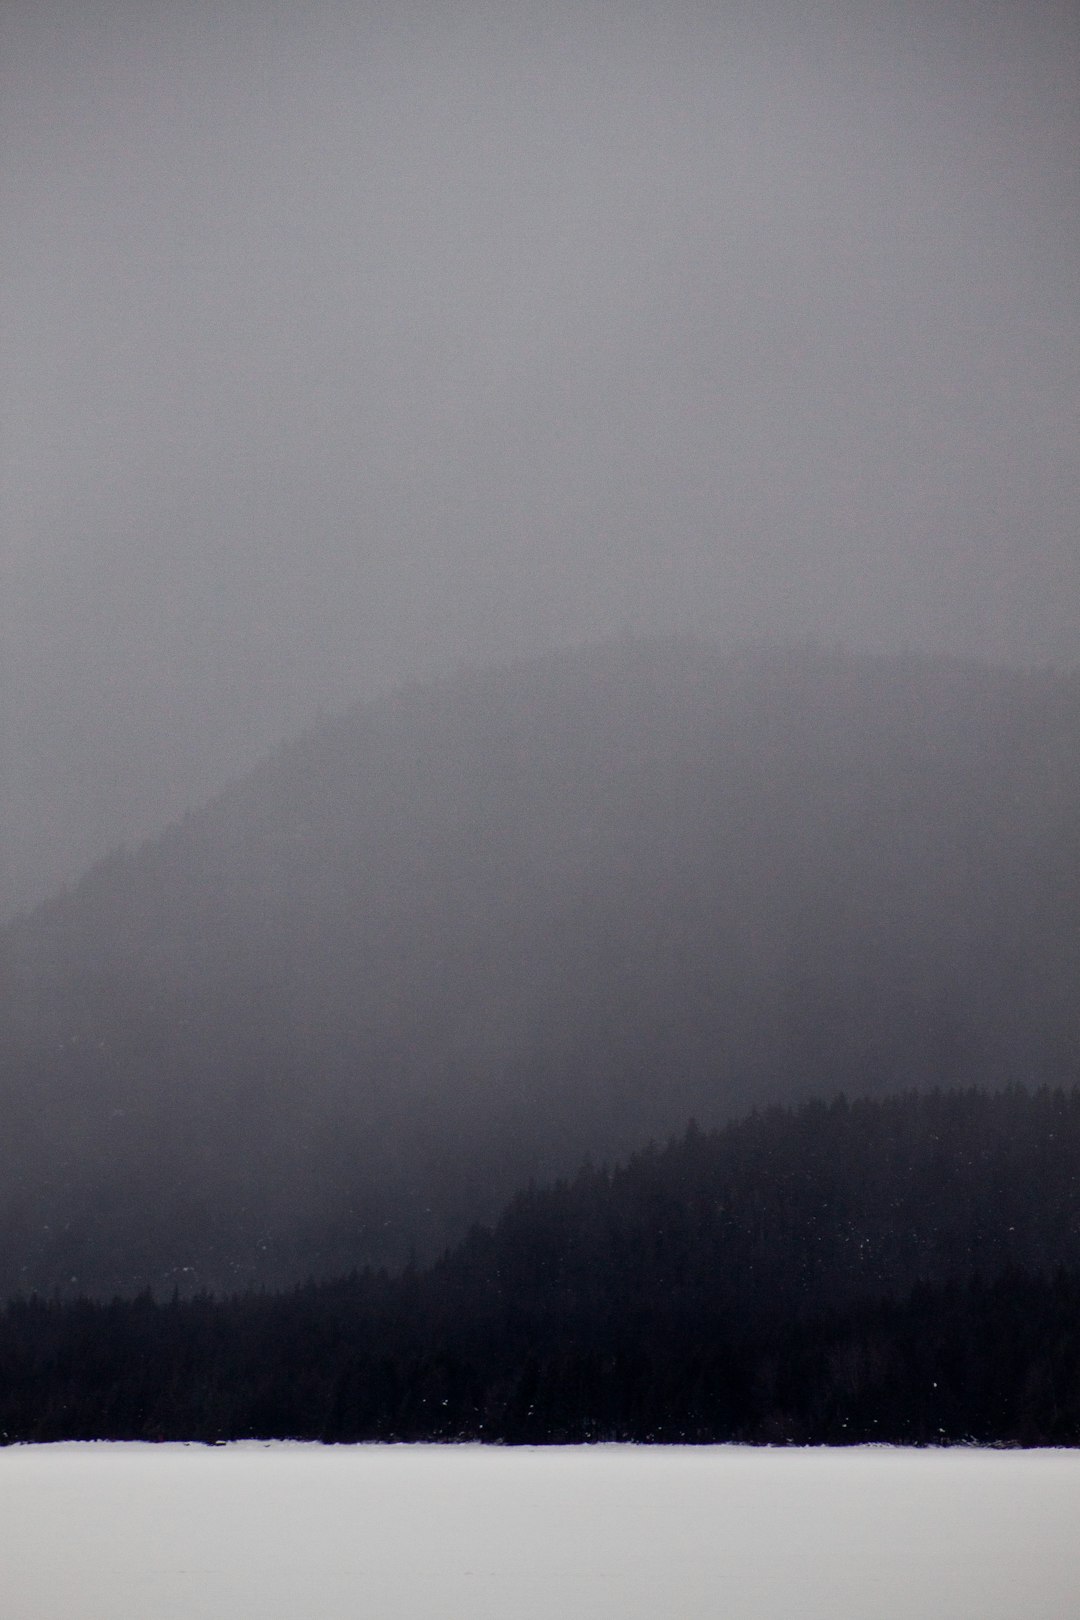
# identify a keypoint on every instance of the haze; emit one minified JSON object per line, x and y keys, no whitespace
{"x":345,"y":343}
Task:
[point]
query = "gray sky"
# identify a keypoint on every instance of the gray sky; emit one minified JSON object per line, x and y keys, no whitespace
{"x":343,"y":342}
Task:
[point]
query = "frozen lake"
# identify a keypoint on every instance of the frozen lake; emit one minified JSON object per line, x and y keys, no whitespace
{"x":291,"y":1532}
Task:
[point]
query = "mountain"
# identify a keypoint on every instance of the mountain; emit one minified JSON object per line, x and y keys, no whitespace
{"x":474,"y":932}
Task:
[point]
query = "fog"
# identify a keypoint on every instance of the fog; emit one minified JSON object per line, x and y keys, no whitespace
{"x":345,"y":343}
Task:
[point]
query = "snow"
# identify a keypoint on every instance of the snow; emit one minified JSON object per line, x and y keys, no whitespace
{"x":280,"y":1532}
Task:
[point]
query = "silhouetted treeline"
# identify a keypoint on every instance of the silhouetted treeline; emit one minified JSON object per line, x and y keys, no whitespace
{"x":473,"y":933}
{"x":904,"y":1270}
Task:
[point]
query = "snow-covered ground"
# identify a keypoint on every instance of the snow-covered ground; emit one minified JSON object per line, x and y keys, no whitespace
{"x":283,"y":1532}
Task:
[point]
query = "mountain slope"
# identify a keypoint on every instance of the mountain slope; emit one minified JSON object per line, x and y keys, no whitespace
{"x":471,"y":933}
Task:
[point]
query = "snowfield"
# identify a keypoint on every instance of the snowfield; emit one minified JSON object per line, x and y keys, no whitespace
{"x":303,"y":1532}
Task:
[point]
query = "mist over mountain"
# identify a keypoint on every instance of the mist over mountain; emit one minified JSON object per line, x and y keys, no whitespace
{"x":472,"y":933}
{"x":342,"y":342}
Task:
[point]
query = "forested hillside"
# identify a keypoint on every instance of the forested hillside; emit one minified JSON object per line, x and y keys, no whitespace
{"x":482,"y":929}
{"x":905,"y":1269}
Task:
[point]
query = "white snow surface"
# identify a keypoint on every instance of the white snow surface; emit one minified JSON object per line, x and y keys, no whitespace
{"x":304,"y":1532}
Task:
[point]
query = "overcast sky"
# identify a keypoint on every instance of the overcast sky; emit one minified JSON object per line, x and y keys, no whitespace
{"x":343,"y":341}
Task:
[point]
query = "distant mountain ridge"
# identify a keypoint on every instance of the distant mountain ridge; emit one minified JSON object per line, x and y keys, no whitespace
{"x":471,"y":933}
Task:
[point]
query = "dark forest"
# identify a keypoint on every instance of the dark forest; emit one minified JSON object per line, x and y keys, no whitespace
{"x":904,"y":1270}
